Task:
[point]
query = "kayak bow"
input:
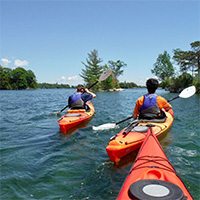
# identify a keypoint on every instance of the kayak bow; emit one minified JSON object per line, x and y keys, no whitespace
{"x":152,"y":176}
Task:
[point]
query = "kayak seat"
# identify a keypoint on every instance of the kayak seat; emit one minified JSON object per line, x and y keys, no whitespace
{"x":155,"y":189}
{"x":141,"y":129}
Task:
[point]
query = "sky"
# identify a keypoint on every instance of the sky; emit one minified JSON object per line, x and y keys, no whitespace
{"x":53,"y":38}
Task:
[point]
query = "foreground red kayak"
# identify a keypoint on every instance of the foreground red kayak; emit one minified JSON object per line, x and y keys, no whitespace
{"x":152,"y":176}
{"x":76,"y":117}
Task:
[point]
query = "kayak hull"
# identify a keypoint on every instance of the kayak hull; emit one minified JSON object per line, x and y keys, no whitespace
{"x":74,"y":118}
{"x":152,"y":169}
{"x":121,"y":145}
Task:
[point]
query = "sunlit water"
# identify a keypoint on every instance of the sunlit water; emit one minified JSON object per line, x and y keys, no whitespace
{"x":39,"y":162}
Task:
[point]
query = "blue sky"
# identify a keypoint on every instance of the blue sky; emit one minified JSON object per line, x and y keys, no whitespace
{"x":52,"y":38}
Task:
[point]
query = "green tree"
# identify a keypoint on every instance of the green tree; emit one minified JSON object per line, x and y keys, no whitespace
{"x":163,"y":67}
{"x":18,"y":79}
{"x":5,"y":78}
{"x":179,"y":83}
{"x":189,"y":60}
{"x":128,"y":85}
{"x":93,"y":69}
{"x":31,"y":79}
{"x":117,"y":70}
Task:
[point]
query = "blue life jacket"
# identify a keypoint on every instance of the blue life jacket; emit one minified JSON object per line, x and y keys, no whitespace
{"x":150,"y":100}
{"x":150,"y":109}
{"x":75,"y":101}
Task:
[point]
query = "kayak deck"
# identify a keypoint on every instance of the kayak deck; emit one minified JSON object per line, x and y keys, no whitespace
{"x":76,"y":117}
{"x":152,"y":169}
{"x":122,"y":144}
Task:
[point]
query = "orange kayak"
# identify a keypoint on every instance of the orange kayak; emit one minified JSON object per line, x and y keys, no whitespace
{"x":152,"y":176}
{"x":76,"y":117}
{"x":122,"y":144}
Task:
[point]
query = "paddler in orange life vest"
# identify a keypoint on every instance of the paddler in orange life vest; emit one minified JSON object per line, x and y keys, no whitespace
{"x":151,"y":106}
{"x":78,"y":100}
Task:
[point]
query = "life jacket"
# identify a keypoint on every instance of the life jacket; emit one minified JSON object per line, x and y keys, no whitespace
{"x":149,"y":109}
{"x":75,"y":101}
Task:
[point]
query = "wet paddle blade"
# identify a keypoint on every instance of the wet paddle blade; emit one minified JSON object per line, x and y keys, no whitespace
{"x":105,"y":126}
{"x":188,"y":92}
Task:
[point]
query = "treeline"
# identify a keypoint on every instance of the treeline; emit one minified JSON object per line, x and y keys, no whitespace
{"x":127,"y":85}
{"x":53,"y":85}
{"x":124,"y":85}
{"x":189,"y":69}
{"x":17,"y":79}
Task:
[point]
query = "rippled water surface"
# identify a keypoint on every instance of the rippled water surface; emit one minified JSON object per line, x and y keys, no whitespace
{"x":39,"y":162}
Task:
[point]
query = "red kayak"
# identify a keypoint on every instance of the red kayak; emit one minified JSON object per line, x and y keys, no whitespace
{"x":152,"y":176}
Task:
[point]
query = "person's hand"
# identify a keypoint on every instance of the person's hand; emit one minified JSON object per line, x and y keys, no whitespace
{"x":86,"y":90}
{"x":134,"y":116}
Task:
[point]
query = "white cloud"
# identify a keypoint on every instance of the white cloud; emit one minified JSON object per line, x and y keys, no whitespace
{"x":5,"y":61}
{"x":62,"y":79}
{"x":72,"y":80}
{"x":20,"y":63}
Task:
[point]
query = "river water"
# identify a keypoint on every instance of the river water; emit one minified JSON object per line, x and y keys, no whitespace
{"x":39,"y":162}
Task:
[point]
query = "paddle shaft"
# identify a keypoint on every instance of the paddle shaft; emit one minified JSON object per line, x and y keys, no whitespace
{"x":123,"y":120}
{"x":173,"y":99}
{"x":93,"y":85}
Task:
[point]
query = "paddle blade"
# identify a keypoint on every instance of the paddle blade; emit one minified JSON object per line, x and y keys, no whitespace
{"x":105,"y":75}
{"x":105,"y":126}
{"x":188,"y":92}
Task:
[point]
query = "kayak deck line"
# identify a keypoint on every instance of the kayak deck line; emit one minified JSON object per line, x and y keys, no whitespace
{"x":154,"y":159}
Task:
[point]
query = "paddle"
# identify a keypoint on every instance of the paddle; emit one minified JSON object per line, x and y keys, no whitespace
{"x":186,"y":93}
{"x":103,"y":76}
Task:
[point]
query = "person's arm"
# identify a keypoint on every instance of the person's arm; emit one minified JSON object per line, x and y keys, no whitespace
{"x":137,"y":107}
{"x":91,"y":93}
{"x":163,"y":103}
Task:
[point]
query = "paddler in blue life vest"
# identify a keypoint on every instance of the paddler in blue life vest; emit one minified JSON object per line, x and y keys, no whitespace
{"x":78,"y":100}
{"x":151,"y":106}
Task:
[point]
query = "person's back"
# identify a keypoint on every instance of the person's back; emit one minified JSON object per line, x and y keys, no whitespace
{"x":150,"y":106}
{"x":78,"y":100}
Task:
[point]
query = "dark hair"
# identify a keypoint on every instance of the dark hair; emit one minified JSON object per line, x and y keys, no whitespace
{"x":80,"y":87}
{"x":152,"y":85}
